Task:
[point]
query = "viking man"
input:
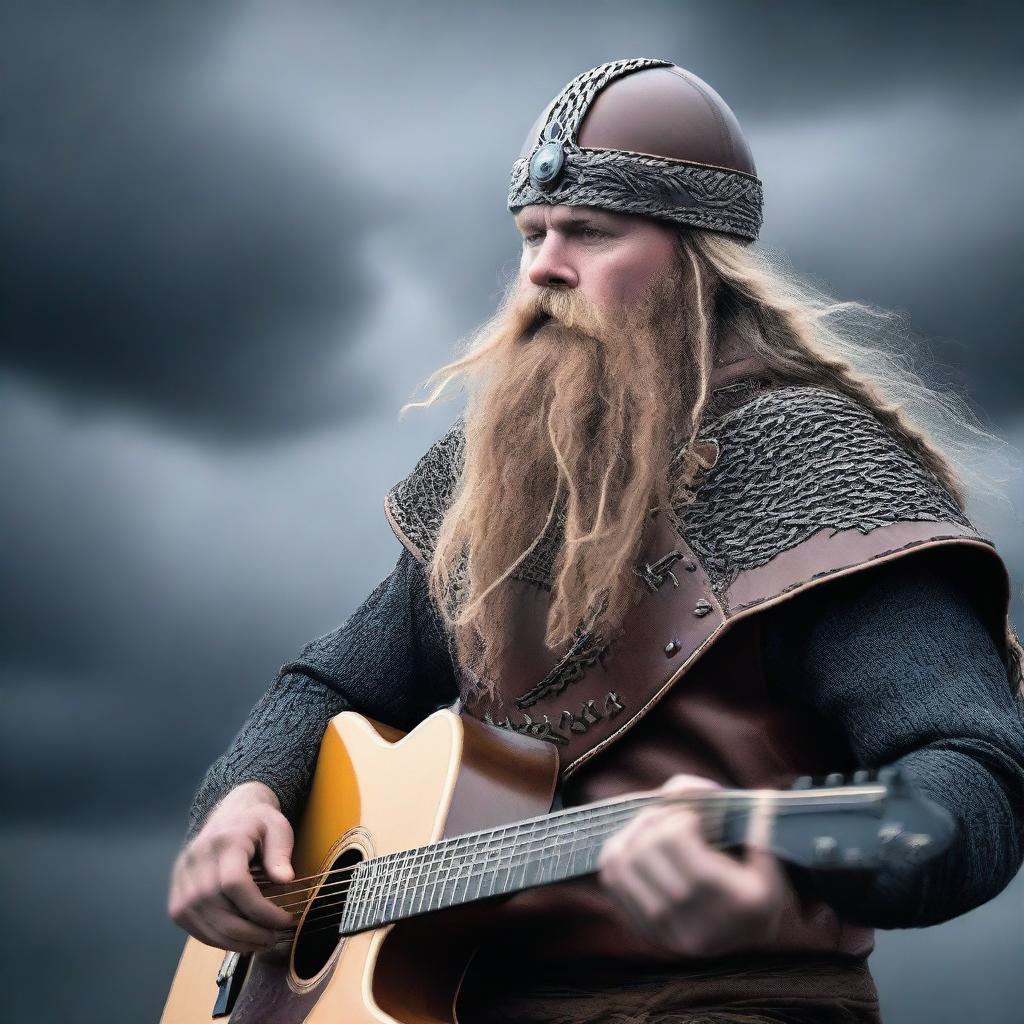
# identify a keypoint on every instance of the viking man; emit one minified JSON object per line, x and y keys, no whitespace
{"x":682,"y":538}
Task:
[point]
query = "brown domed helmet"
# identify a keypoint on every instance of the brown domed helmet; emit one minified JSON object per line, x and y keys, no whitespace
{"x":642,"y":136}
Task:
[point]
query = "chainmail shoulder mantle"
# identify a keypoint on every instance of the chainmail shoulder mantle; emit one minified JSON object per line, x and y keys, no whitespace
{"x":793,"y":460}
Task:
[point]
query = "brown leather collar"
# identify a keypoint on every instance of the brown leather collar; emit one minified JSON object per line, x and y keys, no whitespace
{"x":751,"y":366}
{"x":735,"y":360}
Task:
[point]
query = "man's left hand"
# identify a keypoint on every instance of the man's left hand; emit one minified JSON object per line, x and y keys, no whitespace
{"x":685,"y":896}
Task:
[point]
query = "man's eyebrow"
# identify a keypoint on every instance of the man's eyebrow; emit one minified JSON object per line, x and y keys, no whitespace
{"x":568,"y":220}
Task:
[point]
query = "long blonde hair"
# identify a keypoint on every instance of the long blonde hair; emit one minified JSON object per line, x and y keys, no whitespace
{"x":806,"y":337}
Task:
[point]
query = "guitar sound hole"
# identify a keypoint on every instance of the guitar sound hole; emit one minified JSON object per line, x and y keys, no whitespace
{"x":318,"y":936}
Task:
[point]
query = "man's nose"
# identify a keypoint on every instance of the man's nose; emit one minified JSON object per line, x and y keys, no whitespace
{"x":551,"y":267}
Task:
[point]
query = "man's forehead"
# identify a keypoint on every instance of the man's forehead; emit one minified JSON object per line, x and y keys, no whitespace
{"x":543,"y":213}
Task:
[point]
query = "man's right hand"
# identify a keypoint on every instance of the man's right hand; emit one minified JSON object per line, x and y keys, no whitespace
{"x":213,"y":895}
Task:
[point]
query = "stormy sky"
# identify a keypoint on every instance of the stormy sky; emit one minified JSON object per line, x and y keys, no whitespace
{"x":235,"y":237}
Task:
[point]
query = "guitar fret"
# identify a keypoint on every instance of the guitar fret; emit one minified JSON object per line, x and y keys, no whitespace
{"x":483,"y":869}
{"x":404,"y":861}
{"x":467,"y":870}
{"x":373,"y":883}
{"x":419,"y":880}
{"x":353,"y":903}
{"x":431,"y":885}
{"x":494,"y":862}
{"x":391,"y":889}
{"x":441,"y":878}
{"x":361,"y":907}
{"x":382,"y":892}
{"x":371,"y":916}
{"x":526,"y":865}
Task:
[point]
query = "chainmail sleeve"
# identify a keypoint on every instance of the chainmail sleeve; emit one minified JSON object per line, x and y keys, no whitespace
{"x":390,"y":661}
{"x":277,"y":745}
{"x":900,"y":658}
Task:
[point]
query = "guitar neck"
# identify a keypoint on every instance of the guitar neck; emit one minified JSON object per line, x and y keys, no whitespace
{"x":540,"y":851}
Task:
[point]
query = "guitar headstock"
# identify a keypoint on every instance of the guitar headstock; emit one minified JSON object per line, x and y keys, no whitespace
{"x":860,"y":821}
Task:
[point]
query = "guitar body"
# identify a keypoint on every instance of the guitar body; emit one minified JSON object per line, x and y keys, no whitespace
{"x":378,"y":791}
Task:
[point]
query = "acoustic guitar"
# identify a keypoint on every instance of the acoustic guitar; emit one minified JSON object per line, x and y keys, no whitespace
{"x":405,"y":837}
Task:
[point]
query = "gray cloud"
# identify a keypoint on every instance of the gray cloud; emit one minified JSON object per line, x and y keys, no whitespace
{"x":161,"y":253}
{"x":889,"y":204}
{"x":190,"y":191}
{"x":159,"y":587}
{"x":799,"y":58}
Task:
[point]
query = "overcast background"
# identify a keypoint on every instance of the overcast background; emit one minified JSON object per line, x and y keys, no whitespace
{"x":235,"y":237}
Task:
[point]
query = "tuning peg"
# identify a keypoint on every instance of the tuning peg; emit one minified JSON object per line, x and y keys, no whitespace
{"x":861,"y":777}
{"x":834,"y":779}
{"x":803,"y":782}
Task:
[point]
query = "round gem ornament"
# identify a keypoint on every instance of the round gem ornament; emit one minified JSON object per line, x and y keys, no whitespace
{"x":547,"y":163}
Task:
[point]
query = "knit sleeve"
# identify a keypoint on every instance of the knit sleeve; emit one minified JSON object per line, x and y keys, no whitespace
{"x":900,"y":658}
{"x":389,"y":661}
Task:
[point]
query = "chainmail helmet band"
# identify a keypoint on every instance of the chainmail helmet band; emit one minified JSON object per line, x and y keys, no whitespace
{"x":642,"y":136}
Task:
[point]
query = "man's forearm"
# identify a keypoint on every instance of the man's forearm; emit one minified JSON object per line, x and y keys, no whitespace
{"x":902,"y":661}
{"x":985,"y":853}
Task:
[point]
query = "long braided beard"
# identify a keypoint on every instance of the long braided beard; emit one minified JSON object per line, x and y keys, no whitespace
{"x":572,"y":423}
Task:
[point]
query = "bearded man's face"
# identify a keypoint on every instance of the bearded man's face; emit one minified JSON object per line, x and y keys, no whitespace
{"x":582,"y":386}
{"x":609,"y":259}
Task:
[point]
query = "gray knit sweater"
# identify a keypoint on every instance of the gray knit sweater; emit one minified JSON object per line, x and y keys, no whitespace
{"x":897,"y":656}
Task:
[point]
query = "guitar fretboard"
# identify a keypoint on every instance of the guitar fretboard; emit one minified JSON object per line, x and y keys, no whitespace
{"x":497,"y":862}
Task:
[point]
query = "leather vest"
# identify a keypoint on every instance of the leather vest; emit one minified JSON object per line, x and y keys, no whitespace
{"x":806,"y":485}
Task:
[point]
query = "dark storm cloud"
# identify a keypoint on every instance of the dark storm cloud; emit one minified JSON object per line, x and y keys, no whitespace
{"x":160,"y":252}
{"x":892,"y":206}
{"x":802,"y":56}
{"x":889,"y":138}
{"x":154,"y":589}
{"x":201,"y":260}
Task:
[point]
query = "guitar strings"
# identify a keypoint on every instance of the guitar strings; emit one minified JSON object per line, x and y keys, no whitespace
{"x":420,"y":854}
{"x":330,"y":921}
{"x":489,"y":835}
{"x":521,"y":857}
{"x":464,"y":859}
{"x":483,"y":840}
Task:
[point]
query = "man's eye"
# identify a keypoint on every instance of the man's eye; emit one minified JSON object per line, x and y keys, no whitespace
{"x":538,"y":236}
